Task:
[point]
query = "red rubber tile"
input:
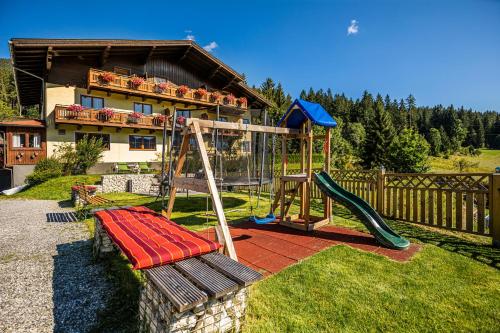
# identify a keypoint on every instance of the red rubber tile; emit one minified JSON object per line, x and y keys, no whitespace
{"x":274,"y":263}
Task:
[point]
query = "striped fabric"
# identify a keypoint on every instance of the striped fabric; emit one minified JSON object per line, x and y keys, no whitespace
{"x":148,"y":239}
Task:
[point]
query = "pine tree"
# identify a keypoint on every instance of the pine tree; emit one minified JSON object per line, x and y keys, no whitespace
{"x":379,"y":136}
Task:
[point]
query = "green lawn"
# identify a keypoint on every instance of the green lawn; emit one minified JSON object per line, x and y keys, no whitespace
{"x":453,"y":284}
{"x":488,"y":160}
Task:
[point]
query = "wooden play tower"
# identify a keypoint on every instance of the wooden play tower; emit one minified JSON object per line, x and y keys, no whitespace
{"x":303,"y":115}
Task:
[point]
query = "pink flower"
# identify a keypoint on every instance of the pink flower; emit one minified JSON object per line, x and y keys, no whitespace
{"x":242,"y":100}
{"x":135,"y":115}
{"x":182,"y":90}
{"x":181,"y":120}
{"x":107,"y":112}
{"x":214,"y":97}
{"x":75,"y":108}
{"x":200,"y":92}
{"x":136,"y":81}
{"x":229,"y":98}
{"x":107,"y":77}
{"x":162,"y":86}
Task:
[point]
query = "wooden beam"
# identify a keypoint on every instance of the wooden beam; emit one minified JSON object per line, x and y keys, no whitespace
{"x":219,"y":211}
{"x":185,"y":54}
{"x":215,"y":71}
{"x":178,"y":170}
{"x":241,"y":127}
{"x":104,"y":56}
{"x":229,"y":83}
{"x":150,"y":54}
{"x":49,"y":59}
{"x":193,"y":184}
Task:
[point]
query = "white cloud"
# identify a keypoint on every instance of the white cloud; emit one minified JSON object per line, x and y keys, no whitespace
{"x":211,"y":46}
{"x":189,"y":35}
{"x":353,"y":28}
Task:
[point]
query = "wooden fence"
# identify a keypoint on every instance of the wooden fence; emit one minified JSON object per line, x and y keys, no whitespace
{"x":466,"y":202}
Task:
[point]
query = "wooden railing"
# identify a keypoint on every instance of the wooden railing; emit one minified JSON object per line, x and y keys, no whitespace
{"x":465,"y":202}
{"x":98,"y":118}
{"x":150,"y":88}
{"x":25,"y":156}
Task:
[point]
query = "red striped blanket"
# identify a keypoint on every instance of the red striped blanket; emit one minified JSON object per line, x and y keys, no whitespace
{"x":148,"y":239}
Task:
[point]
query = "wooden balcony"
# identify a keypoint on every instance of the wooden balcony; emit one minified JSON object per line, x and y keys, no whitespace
{"x":122,"y":84}
{"x":93,"y":117}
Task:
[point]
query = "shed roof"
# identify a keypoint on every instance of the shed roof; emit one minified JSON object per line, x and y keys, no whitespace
{"x":22,"y":123}
{"x":302,"y":110}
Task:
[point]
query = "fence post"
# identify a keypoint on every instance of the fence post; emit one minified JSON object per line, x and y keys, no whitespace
{"x":494,"y":206}
{"x":380,"y":190}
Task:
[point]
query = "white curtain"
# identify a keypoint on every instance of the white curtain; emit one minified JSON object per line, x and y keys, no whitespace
{"x":16,"y":140}
{"x":36,"y":140}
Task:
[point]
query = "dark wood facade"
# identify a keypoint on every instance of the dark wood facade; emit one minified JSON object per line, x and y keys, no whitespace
{"x":31,"y":145}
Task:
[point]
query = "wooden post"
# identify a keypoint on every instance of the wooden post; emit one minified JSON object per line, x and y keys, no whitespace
{"x":380,"y":191}
{"x":307,"y":199}
{"x":495,"y":208}
{"x":327,"y":201}
{"x":284,"y":162}
{"x":212,"y":186}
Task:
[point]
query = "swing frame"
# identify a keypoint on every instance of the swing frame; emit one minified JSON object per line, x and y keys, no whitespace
{"x":197,"y":127}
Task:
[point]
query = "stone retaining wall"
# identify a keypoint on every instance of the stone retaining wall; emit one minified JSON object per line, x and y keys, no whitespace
{"x":158,"y":315}
{"x":141,"y":183}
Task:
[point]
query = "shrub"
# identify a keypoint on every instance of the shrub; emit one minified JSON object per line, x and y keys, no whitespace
{"x":45,"y":169}
{"x":78,"y":159}
{"x":409,"y":152}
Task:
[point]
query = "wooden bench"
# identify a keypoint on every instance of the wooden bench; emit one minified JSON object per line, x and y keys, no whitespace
{"x":88,"y":199}
{"x":207,"y":293}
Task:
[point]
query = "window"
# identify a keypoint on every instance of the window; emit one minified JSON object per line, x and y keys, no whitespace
{"x":246,"y":121}
{"x":61,"y":132}
{"x":245,"y":146}
{"x":224,"y":119}
{"x":18,"y":140}
{"x":184,"y":113}
{"x":139,"y":142}
{"x":92,"y":102}
{"x":146,"y":109}
{"x":34,"y":140}
{"x":105,"y":138}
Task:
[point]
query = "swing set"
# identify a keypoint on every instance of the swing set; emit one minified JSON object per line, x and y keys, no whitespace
{"x":296,"y":124}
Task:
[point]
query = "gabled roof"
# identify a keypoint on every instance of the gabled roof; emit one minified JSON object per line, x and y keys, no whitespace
{"x":34,"y":55}
{"x":302,"y":110}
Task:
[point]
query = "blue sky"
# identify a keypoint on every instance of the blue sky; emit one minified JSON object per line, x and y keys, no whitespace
{"x":440,"y":51}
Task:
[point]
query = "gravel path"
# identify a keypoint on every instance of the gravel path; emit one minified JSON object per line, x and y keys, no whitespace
{"x":48,"y":281}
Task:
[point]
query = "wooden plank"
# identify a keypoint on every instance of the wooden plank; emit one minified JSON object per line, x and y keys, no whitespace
{"x":194,"y":184}
{"x":178,"y":289}
{"x":395,"y":202}
{"x":430,"y":207}
{"x":449,"y":210}
{"x":439,"y":208}
{"x":204,"y":277}
{"x":400,"y":204}
{"x":388,"y":204}
{"x":221,"y":218}
{"x":415,"y":205}
{"x":178,"y":170}
{"x":469,"y":212}
{"x":422,"y":205}
{"x":408,"y":204}
{"x":458,"y":211}
{"x":234,"y":270}
{"x":480,"y":214}
{"x":241,"y":127}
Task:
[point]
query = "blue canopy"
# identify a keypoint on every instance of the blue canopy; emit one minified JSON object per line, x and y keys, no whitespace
{"x":301,"y":110}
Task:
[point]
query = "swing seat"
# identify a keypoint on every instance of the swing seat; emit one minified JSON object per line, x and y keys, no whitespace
{"x":265,"y":220}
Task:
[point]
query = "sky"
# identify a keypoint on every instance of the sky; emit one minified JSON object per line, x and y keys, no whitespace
{"x":442,"y":52}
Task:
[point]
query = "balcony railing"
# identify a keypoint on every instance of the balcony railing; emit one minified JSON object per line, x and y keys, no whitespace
{"x":99,"y":118}
{"x":123,"y":83}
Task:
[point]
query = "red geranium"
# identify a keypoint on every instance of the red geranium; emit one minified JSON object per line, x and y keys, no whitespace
{"x":200,"y":92}
{"x":136,"y":81}
{"x":135,"y":115}
{"x":162,"y":86}
{"x":242,"y":100}
{"x":75,"y":108}
{"x":107,"y":112}
{"x":229,"y":98}
{"x":182,"y":90}
{"x":107,"y":77}
{"x":159,"y":118}
{"x":181,"y":120}
{"x":214,"y":97}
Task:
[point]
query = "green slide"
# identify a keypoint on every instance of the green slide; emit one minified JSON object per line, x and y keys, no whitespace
{"x":370,"y":218}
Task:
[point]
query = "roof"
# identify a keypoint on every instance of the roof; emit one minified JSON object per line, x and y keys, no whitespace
{"x":302,"y":110}
{"x":22,"y":123}
{"x":35,"y":56}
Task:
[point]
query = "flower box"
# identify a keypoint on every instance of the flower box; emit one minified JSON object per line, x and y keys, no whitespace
{"x":161,"y":87}
{"x":200,"y":93}
{"x":215,"y":97}
{"x":159,"y":120}
{"x":136,"y":82}
{"x":242,"y":101}
{"x":106,"y":78}
{"x":229,"y":99}
{"x":134,"y":117}
{"x":106,"y":114}
{"x":73,"y":111}
{"x":182,"y":90}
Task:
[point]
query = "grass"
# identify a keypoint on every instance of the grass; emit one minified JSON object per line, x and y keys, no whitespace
{"x":54,"y":189}
{"x":453,"y":284}
{"x":488,"y":160}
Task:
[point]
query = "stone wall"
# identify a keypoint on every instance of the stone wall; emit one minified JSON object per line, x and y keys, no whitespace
{"x":141,"y":183}
{"x":158,"y":314}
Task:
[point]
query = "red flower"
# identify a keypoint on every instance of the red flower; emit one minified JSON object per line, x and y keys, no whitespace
{"x":229,"y":98}
{"x":107,"y":77}
{"x":107,"y":112}
{"x":215,"y":96}
{"x":242,"y":100}
{"x":159,"y":118}
{"x":135,"y":115}
{"x":75,"y":108}
{"x":162,"y":86}
{"x":136,"y":81}
{"x":182,"y":90}
{"x":200,"y":92}
{"x":181,"y":120}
